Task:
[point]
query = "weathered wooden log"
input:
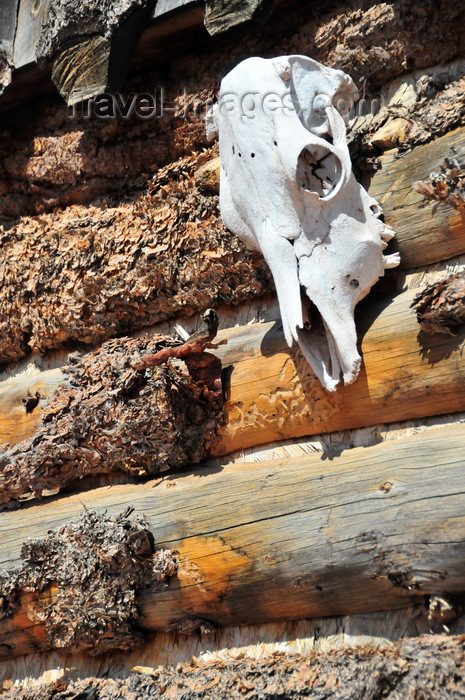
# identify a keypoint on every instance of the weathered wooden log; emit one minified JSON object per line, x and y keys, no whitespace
{"x":90,"y":65}
{"x":271,"y":393}
{"x":374,"y":529}
{"x":90,"y":46}
{"x":425,"y":232}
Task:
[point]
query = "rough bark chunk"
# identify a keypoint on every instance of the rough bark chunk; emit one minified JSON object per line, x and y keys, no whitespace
{"x":85,"y":577}
{"x":428,"y":667}
{"x":86,"y":274}
{"x":447,"y":185}
{"x":440,"y":307}
{"x":114,"y":417}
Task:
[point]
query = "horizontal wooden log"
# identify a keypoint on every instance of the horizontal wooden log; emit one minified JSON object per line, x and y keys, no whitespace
{"x":425,"y":232}
{"x":93,"y":62}
{"x":271,"y":393}
{"x":374,"y":529}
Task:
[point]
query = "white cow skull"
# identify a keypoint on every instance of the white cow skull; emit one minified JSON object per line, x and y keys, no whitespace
{"x":287,"y":189}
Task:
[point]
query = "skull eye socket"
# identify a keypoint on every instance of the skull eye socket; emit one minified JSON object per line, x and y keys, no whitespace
{"x":318,"y":170}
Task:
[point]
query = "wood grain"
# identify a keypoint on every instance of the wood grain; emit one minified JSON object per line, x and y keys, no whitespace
{"x":425,"y":233}
{"x":272,"y":394}
{"x":374,"y":529}
{"x":16,"y":422}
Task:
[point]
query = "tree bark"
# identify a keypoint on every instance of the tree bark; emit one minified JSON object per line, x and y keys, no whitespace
{"x":429,"y":667}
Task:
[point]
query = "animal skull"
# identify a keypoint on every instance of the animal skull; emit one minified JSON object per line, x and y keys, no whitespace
{"x":287,"y":189}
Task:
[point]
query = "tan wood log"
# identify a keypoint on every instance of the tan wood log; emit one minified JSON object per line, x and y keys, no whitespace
{"x":425,"y":231}
{"x":374,"y":529}
{"x":271,"y":393}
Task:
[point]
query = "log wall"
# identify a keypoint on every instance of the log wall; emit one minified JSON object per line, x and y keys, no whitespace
{"x":109,"y":230}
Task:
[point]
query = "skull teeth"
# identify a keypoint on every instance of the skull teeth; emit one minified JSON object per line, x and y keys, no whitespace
{"x":391,"y":260}
{"x":387,"y":234}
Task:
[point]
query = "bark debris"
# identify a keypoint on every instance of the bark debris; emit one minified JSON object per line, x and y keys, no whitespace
{"x":86,"y":274}
{"x":447,"y":185}
{"x":84,"y":578}
{"x":440,"y":307}
{"x":428,"y":667}
{"x":114,"y":417}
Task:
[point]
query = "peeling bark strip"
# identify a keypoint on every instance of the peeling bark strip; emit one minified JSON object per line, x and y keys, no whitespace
{"x":440,"y":307}
{"x":114,"y":417}
{"x":427,"y":667}
{"x":447,"y":185}
{"x":84,"y":577}
{"x":86,"y":274}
